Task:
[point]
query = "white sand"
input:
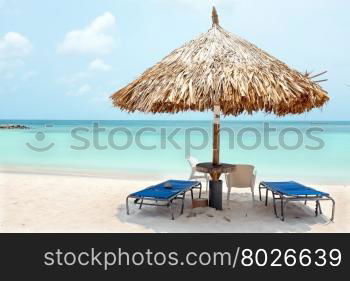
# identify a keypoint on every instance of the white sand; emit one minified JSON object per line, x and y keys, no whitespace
{"x":62,"y":203}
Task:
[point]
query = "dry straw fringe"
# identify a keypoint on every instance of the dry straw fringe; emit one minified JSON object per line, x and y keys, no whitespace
{"x":221,"y":68}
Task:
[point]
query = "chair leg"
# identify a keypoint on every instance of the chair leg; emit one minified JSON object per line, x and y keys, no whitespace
{"x":260,"y":192}
{"x":141,"y":204}
{"x":274,"y":204}
{"x":206,"y":186}
{"x":266,"y":198}
{"x":228,"y":193}
{"x":333,"y":208}
{"x":319,"y":207}
{"x":127,"y":206}
{"x":171,"y":211}
{"x":316,"y":209}
{"x":285,"y":209}
{"x":183,"y":203}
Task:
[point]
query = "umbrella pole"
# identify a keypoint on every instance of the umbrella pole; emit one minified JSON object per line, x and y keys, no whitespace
{"x":215,"y":185}
{"x":216,"y":136}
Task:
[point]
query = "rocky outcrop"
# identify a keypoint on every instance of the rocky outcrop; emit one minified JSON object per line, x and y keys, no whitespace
{"x":22,"y":127}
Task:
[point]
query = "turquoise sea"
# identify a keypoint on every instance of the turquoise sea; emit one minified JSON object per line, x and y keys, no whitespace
{"x":317,"y":152}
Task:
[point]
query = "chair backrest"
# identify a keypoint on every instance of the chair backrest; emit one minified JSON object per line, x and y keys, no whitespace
{"x":193,"y":162}
{"x":242,"y":176}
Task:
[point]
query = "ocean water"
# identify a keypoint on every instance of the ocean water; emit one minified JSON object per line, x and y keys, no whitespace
{"x":317,"y":152}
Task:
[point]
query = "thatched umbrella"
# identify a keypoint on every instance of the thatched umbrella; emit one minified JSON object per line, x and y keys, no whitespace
{"x":222,"y":72}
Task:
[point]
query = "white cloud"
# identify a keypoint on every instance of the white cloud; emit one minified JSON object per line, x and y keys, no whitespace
{"x":94,"y":66}
{"x":29,"y":75}
{"x":200,"y":4}
{"x":96,"y":38}
{"x":10,"y":66}
{"x":81,"y":91}
{"x":84,"y":89}
{"x":74,"y":78}
{"x":100,"y":98}
{"x":99,"y":65}
{"x":14,"y":46}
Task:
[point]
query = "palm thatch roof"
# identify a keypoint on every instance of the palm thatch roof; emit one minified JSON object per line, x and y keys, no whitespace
{"x":220,"y":68}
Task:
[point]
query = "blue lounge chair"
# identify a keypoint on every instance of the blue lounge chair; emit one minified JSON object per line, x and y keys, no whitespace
{"x":164,"y":194}
{"x":293,"y":191}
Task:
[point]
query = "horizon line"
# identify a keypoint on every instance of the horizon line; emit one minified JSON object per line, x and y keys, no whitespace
{"x":177,"y":120}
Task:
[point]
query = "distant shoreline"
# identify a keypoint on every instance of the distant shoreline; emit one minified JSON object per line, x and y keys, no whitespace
{"x":13,"y":127}
{"x":102,"y":173}
{"x":135,"y":175}
{"x":227,"y":119}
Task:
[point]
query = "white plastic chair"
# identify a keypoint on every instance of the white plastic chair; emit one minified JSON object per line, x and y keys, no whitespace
{"x":197,"y":175}
{"x":243,"y":176}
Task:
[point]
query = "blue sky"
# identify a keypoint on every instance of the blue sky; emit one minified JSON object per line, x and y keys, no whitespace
{"x":63,"y":59}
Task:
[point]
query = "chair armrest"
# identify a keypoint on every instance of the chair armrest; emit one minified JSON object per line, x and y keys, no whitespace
{"x":254,"y":179}
{"x":227,"y":179}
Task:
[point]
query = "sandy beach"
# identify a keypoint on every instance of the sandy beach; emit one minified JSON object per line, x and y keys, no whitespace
{"x":33,"y":202}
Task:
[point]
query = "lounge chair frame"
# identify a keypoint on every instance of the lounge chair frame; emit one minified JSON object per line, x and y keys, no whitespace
{"x":169,"y":202}
{"x":195,"y":175}
{"x":285,"y":199}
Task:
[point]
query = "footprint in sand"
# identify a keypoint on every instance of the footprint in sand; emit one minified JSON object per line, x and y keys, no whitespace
{"x":191,"y":215}
{"x":227,"y":219}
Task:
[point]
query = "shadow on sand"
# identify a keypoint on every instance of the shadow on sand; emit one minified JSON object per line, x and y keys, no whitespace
{"x":240,"y":214}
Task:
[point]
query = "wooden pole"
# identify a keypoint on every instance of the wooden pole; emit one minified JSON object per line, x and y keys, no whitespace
{"x":216,"y":136}
{"x":215,"y":176}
